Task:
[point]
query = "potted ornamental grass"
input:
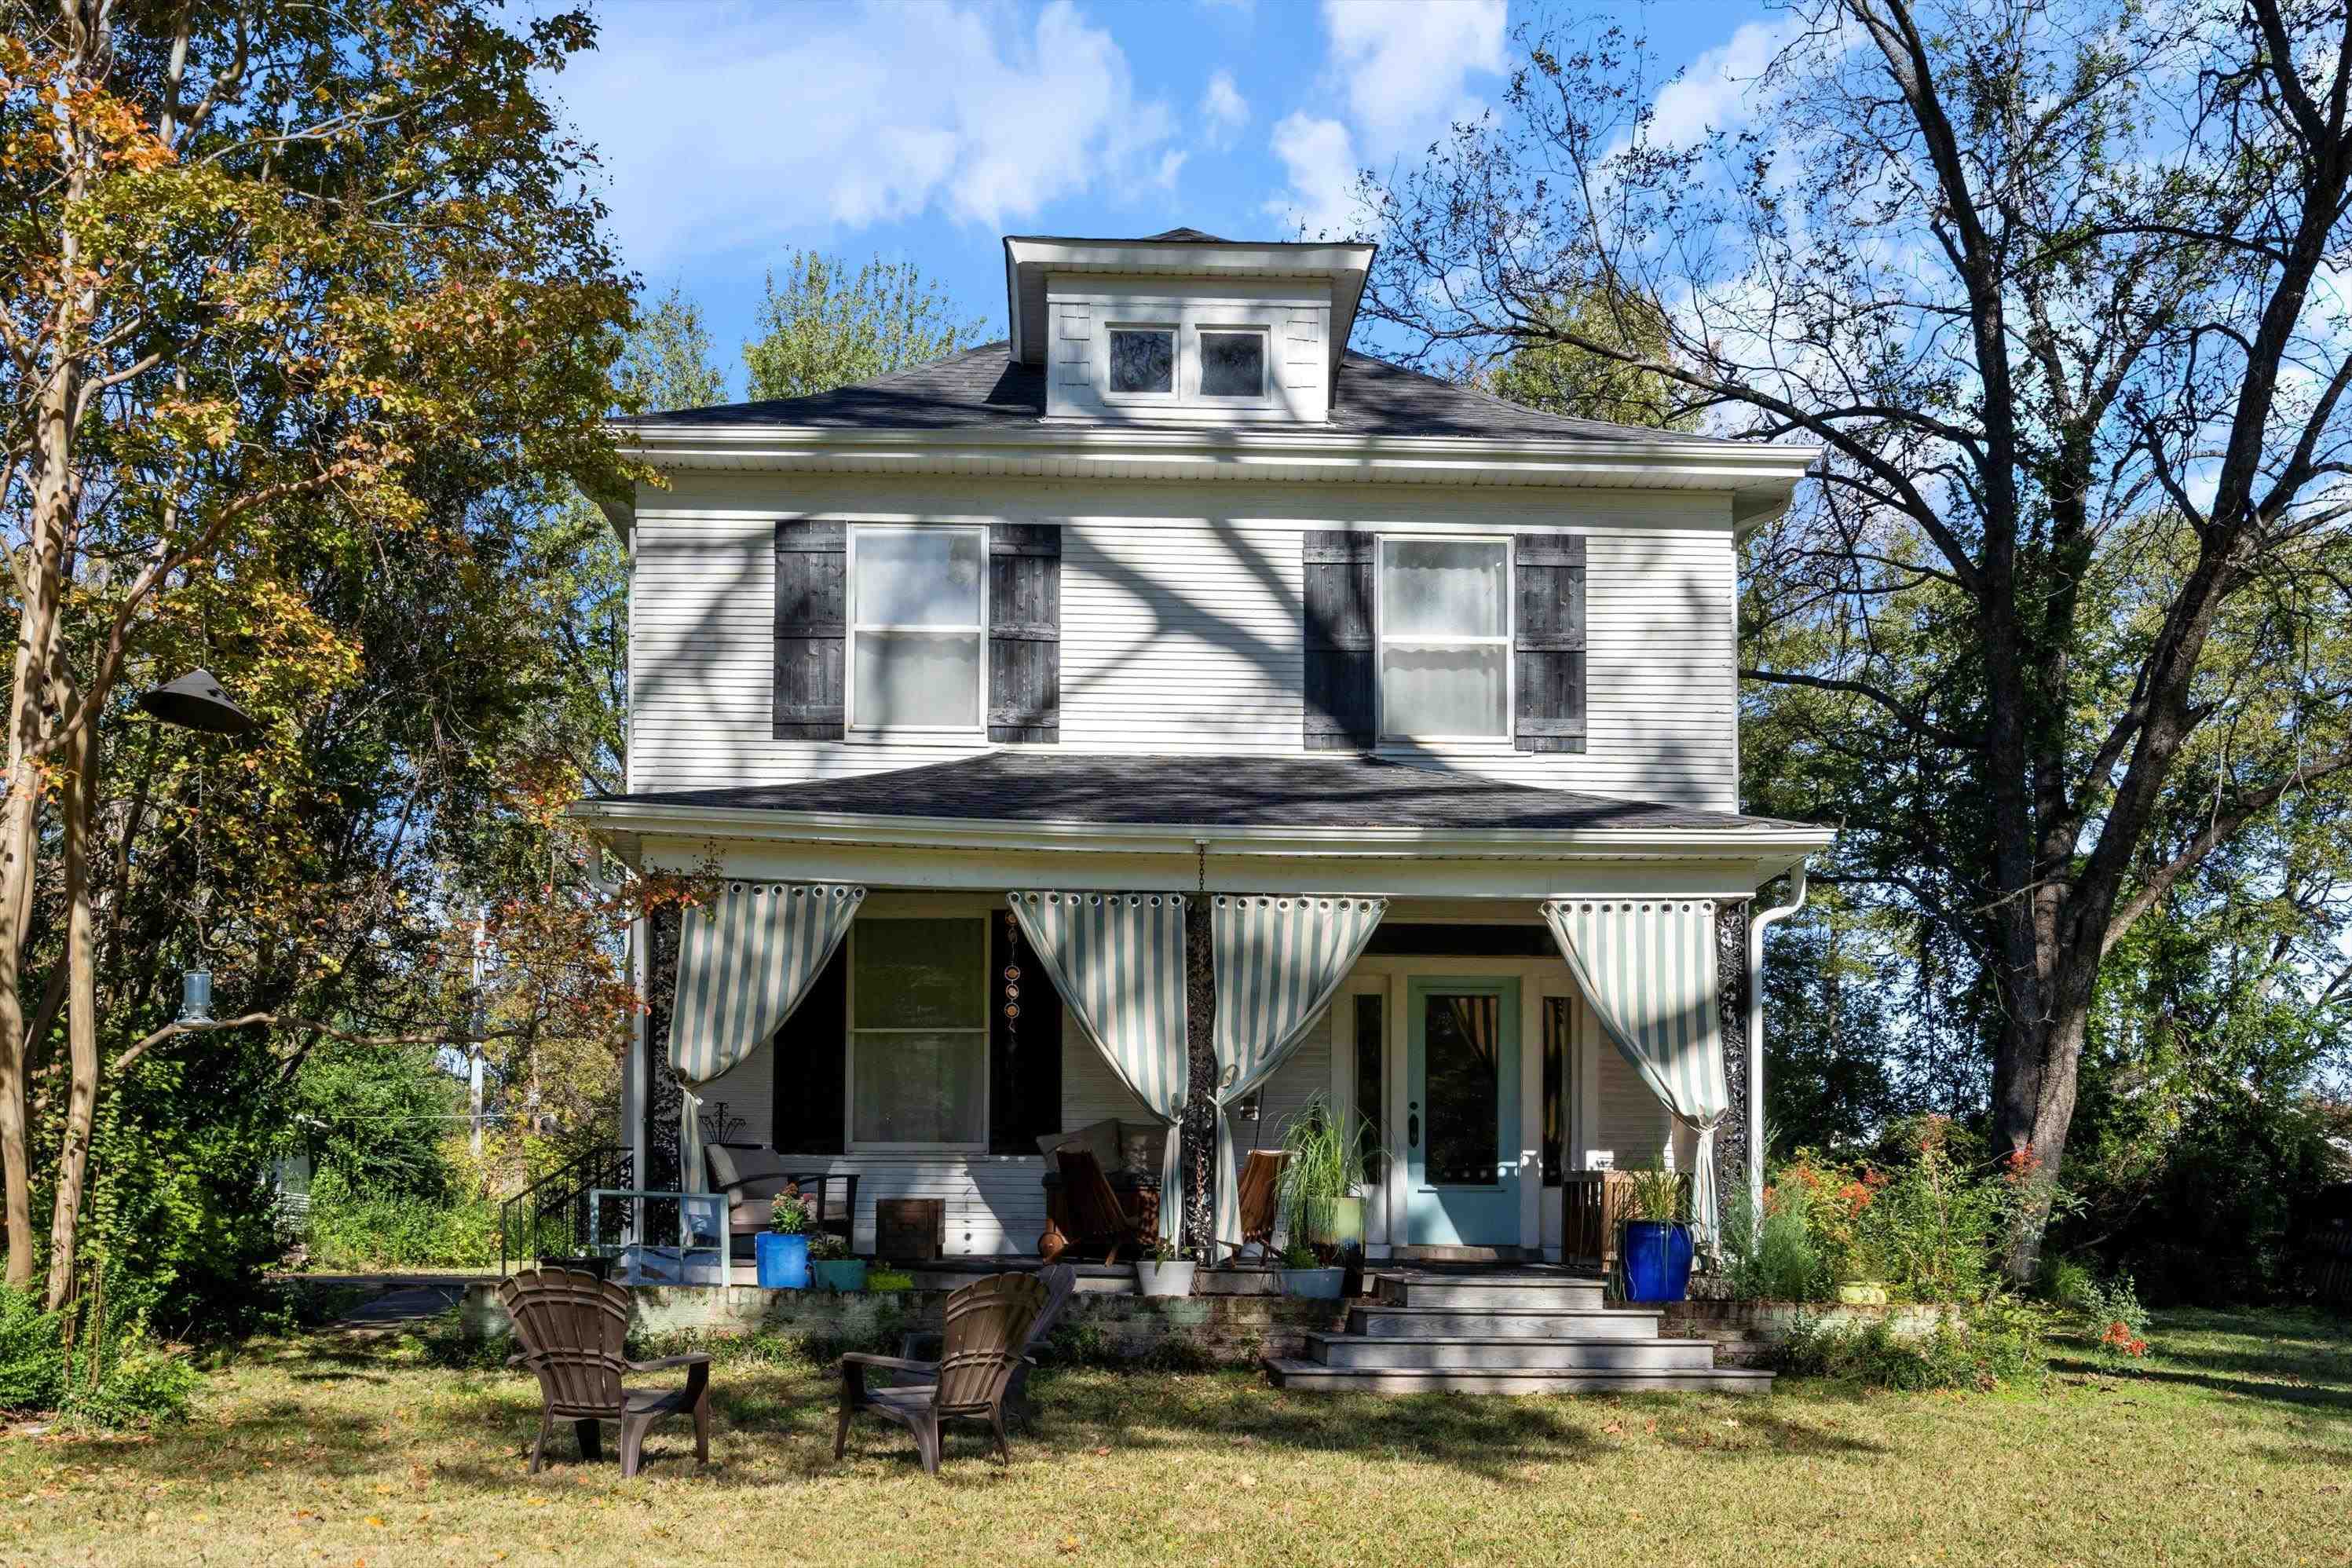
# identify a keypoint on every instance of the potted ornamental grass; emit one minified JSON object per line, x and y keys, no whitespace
{"x":783,"y":1249}
{"x":1164,"y":1272}
{"x":1326,"y":1151}
{"x":1306,"y":1274}
{"x":1657,"y":1245}
{"x":832,"y":1266}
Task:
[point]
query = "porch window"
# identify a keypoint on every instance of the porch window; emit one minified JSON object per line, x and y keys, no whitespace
{"x":1555,"y":1088}
{"x":1372,"y":1081}
{"x":919,"y":1034}
{"x":918,"y":620}
{"x":1445,"y":639}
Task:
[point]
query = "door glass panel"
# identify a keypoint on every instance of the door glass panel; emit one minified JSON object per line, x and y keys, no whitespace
{"x":1463,"y":1088}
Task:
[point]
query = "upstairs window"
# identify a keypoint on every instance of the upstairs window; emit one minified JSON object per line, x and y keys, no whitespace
{"x":1445,"y":629}
{"x":1143,"y":363}
{"x":1233,"y":364}
{"x":918,"y":619}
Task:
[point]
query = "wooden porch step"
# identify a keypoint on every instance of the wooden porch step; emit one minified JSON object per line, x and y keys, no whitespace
{"x":1314,"y":1377}
{"x":1509,"y":1292}
{"x":1452,"y":1353}
{"x":1502,"y":1323}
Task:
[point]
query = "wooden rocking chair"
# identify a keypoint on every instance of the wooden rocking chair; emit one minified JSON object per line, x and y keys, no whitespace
{"x":572,"y":1326}
{"x":1061,"y":1282}
{"x":1257,"y":1195}
{"x":1097,"y":1216}
{"x":987,"y":1324}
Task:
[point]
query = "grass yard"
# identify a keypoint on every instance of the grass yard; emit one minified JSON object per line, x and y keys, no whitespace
{"x":2233,"y":1444}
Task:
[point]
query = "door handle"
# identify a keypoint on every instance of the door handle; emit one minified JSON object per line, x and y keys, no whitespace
{"x":1413,"y":1128}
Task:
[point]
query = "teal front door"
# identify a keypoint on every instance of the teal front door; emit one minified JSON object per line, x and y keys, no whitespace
{"x":1462,"y":1113}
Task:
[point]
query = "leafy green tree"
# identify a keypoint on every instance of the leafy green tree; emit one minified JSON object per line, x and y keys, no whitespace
{"x":1550,"y":372}
{"x":2049,"y":287}
{"x":828,"y":327}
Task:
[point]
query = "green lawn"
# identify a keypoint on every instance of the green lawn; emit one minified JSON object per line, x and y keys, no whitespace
{"x":2232,"y":1445}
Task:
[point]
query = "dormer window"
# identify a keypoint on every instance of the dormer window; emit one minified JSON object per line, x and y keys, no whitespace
{"x":1233,"y":364}
{"x":1142,"y":361}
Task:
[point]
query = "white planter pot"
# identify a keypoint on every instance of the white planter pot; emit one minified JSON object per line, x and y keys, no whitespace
{"x":1316,"y":1284}
{"x":1165,"y":1279}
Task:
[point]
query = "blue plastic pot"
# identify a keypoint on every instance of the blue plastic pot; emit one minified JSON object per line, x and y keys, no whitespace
{"x":784,"y":1261}
{"x":1658,"y":1261}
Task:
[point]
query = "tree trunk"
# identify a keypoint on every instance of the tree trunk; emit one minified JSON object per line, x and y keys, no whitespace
{"x":1199,"y":1128}
{"x":80,"y":801}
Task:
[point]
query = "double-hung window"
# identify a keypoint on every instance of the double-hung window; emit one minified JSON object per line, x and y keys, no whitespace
{"x":918,"y":1033}
{"x":1444,"y":630}
{"x":917,"y":627}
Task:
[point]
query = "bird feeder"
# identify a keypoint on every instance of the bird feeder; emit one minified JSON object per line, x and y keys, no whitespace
{"x":196,"y":701}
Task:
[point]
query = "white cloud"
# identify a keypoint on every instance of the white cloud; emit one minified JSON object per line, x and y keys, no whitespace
{"x":1402,"y":65}
{"x":724,"y":126}
{"x":1320,"y":158}
{"x":1712,"y":94}
{"x":1224,"y":110}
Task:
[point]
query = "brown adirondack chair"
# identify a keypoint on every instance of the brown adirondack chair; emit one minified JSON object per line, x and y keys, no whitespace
{"x":1097,"y":1216}
{"x":1257,"y":1193}
{"x":1061,"y":1282}
{"x":571,"y":1325}
{"x":987,"y":1326}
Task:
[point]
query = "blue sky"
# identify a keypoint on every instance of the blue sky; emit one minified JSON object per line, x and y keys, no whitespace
{"x":924,"y":129}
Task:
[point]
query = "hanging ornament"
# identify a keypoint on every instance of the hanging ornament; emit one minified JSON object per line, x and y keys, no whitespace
{"x":1012,"y":983}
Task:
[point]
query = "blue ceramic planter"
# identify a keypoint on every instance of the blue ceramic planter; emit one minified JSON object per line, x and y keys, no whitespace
{"x":1658,"y":1261}
{"x":784,"y":1261}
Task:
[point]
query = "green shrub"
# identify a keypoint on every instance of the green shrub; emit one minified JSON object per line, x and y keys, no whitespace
{"x":350,"y":1231}
{"x":2000,"y":1340}
{"x":136,"y":1381}
{"x":1770,"y":1254}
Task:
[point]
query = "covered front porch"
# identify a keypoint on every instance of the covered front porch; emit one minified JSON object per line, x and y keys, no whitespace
{"x":931,"y":1055}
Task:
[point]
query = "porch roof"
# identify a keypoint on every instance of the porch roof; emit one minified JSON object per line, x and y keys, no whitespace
{"x":1215,"y":793}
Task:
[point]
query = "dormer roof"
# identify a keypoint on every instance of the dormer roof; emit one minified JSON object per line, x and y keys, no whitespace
{"x":1175,"y":253}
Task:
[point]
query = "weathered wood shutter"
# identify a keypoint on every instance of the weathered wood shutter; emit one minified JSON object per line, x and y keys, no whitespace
{"x":812,"y":630}
{"x":1025,"y":633}
{"x":1339,"y":643}
{"x":1025,"y":1055}
{"x":812,"y":1066}
{"x":1548,"y":642}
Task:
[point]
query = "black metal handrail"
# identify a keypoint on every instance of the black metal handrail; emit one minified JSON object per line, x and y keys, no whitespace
{"x":563,"y":1194}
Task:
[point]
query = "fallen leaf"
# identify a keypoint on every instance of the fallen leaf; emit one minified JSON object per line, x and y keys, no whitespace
{"x":375,"y":1519}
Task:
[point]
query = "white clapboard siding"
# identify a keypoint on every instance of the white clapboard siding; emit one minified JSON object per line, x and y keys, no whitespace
{"x":1631,"y":1123}
{"x":1180,"y":623}
{"x":995,"y":1203}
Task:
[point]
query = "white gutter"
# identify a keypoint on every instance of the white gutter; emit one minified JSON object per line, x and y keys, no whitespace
{"x":1756,"y":928}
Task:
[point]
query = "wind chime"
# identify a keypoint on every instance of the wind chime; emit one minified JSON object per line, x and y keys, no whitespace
{"x":196,"y":701}
{"x":1012,"y":984}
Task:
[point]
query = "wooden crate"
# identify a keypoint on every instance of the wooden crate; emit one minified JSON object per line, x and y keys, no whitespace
{"x":910,"y":1229}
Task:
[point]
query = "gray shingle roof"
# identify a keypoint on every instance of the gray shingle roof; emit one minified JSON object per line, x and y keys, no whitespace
{"x":981,"y":388}
{"x":1333,"y":791}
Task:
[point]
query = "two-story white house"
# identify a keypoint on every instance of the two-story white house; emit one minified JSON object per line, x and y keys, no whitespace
{"x":975,"y":680}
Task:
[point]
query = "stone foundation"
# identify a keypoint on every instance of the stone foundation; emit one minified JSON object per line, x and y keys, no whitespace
{"x":1097,"y":1326}
{"x":1747,"y":1332}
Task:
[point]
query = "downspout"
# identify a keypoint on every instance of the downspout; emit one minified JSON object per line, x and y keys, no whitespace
{"x":1756,"y":928}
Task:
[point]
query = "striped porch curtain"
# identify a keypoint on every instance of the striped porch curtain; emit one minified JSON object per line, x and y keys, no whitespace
{"x":1117,"y":961}
{"x":744,"y":962}
{"x":1646,"y":967}
{"x":1277,"y":962}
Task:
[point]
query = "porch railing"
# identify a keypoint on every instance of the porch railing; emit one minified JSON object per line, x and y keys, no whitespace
{"x":551,"y":1218}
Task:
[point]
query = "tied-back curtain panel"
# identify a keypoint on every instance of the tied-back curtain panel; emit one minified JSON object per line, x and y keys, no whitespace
{"x":744,"y":962}
{"x":1646,"y":967}
{"x":1278,"y":960}
{"x":1117,"y":961}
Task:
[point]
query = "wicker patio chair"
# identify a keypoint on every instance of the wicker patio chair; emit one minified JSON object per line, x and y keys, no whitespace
{"x":987,"y":1325}
{"x":571,"y":1325}
{"x":1097,"y":1216}
{"x":1258,"y":1194}
{"x":1061,"y":1282}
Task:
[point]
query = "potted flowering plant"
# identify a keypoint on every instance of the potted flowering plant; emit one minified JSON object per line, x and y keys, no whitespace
{"x":832,"y":1266}
{"x":1163,"y":1272}
{"x":782,"y":1249}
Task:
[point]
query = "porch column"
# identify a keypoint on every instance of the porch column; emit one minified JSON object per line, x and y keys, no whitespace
{"x":1199,"y":1126}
